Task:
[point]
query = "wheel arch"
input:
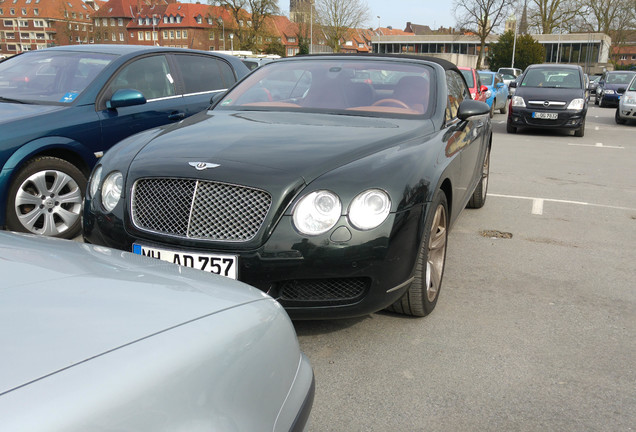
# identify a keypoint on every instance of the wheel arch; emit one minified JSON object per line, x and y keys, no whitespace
{"x":60,"y":147}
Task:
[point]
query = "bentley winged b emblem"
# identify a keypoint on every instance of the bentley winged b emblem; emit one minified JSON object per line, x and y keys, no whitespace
{"x":203,"y":165}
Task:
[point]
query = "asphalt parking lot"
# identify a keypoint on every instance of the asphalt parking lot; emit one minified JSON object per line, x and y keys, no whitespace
{"x":535,"y":327}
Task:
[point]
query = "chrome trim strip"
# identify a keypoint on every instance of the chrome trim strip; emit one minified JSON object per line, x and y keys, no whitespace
{"x":402,"y":285}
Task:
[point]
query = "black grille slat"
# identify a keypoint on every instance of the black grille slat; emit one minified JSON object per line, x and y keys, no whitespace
{"x":199,"y":209}
{"x":323,"y":290}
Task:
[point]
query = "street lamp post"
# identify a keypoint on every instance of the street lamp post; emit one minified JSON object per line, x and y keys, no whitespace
{"x":378,"y":22}
{"x":232,"y":42}
{"x":514,"y":44}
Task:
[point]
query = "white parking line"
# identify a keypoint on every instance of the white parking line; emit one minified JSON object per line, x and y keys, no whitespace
{"x":537,"y":203}
{"x":601,"y":145}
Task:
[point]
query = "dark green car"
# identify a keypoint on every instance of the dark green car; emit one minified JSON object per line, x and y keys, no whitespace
{"x":62,"y":108}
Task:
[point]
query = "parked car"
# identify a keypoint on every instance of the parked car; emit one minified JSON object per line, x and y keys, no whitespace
{"x":289,"y":183}
{"x":254,"y":62}
{"x":610,"y":82}
{"x":104,"y":340}
{"x":626,"y":110}
{"x":498,"y":89}
{"x":549,"y":96}
{"x":61,"y":108}
{"x":478,"y":91}
{"x":515,"y":72}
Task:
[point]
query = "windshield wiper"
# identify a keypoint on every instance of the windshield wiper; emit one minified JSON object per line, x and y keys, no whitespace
{"x":4,"y":99}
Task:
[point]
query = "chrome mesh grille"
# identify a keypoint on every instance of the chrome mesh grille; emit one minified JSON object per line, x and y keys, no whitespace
{"x":199,"y":209}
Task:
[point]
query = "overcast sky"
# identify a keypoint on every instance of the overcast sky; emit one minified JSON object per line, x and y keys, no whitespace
{"x":395,"y":13}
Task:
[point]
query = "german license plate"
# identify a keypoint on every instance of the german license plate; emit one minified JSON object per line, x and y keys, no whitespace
{"x":545,"y":116}
{"x":224,"y":265}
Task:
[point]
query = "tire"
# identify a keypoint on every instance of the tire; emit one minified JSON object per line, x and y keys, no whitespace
{"x":600,"y":103}
{"x":478,"y":199}
{"x":510,"y":129}
{"x":492,"y":109}
{"x":421,"y":297}
{"x":580,"y":132}
{"x":504,"y":108}
{"x":46,"y":198}
{"x":595,"y":100}
{"x":618,"y":119}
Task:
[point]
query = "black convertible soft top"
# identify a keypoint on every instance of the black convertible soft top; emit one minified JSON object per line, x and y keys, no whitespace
{"x":445,"y":64}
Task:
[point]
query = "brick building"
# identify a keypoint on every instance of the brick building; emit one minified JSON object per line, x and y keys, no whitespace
{"x":36,"y":24}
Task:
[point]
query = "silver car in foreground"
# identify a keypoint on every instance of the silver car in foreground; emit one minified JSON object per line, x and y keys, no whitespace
{"x":93,"y":339}
{"x":626,"y":110}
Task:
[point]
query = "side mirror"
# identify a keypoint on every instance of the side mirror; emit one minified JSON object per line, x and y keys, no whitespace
{"x":513,"y":84}
{"x":483,"y":89}
{"x":124,"y":98}
{"x":621,"y":90}
{"x":469,"y":108}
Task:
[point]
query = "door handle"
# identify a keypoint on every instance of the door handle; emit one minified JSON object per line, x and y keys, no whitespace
{"x":177,"y":116}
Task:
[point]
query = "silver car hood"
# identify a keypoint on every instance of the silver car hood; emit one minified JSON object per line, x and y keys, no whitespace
{"x":62,"y":303}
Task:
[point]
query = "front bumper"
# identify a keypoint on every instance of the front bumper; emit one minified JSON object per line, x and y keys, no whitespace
{"x":627,"y":112}
{"x":611,"y":98}
{"x":566,"y":119}
{"x":312,"y":277}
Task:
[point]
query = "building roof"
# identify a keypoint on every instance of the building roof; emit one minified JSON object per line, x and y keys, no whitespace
{"x":117,"y":9}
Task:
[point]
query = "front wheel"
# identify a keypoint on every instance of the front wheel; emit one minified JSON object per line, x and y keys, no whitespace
{"x":617,"y":117}
{"x":504,"y":108}
{"x":478,"y":199}
{"x":422,"y":294}
{"x":46,"y":198}
{"x":510,"y":129}
{"x":580,"y":131}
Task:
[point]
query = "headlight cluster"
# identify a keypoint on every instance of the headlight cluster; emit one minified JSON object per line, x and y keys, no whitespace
{"x":319,"y":211}
{"x":608,"y":91}
{"x":630,"y":100}
{"x":576,"y":104}
{"x":111,"y":188}
{"x":517,"y":101}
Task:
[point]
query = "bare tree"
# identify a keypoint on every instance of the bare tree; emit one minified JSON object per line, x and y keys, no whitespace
{"x":481,"y":17}
{"x":252,"y":14}
{"x":337,"y":17}
{"x":548,"y":15}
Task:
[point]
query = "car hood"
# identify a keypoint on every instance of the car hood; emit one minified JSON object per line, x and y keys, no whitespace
{"x":10,"y":112}
{"x":290,"y":145}
{"x":63,"y":302}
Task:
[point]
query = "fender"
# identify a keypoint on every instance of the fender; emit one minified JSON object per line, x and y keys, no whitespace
{"x":46,"y":145}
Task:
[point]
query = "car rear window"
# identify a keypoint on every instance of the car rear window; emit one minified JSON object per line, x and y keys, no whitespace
{"x":620,"y":77}
{"x":486,"y":78}
{"x":468,"y":76}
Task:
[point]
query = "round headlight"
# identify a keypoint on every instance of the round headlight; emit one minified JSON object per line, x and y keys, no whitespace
{"x":369,"y":209}
{"x":95,"y":179}
{"x":111,"y":190}
{"x":317,"y":212}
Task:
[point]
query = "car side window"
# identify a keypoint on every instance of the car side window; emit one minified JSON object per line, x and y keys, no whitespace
{"x":457,"y":92}
{"x":204,"y":73}
{"x":149,"y":75}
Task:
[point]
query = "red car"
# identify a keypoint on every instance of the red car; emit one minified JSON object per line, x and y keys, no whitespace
{"x":477,"y":90}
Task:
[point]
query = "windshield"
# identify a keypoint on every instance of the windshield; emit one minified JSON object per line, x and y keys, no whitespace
{"x":486,"y":78}
{"x":49,"y":76}
{"x":632,"y":85}
{"x":360,"y":87}
{"x":620,"y":77}
{"x":468,"y":76}
{"x":552,"y":77}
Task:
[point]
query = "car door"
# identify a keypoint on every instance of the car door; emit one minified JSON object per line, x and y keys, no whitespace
{"x":153,"y":77}
{"x":501,"y":91}
{"x":201,"y":76}
{"x":466,"y":138}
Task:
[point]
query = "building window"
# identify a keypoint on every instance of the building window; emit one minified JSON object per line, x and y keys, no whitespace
{"x":178,"y":19}
{"x":12,"y":11}
{"x":209,"y":19}
{"x":11,"y":47}
{"x":24,"y":23}
{"x":249,"y":23}
{"x":39,"y":35}
{"x":77,"y":39}
{"x":165,"y":20}
{"x":623,"y":57}
{"x":105,"y":22}
{"x":291,"y":40}
{"x":120,"y":22}
{"x":165,"y":34}
{"x":8,"y":23}
{"x":24,"y":36}
{"x":36,"y":11}
{"x":113,"y":37}
{"x":140,"y":21}
{"x":23,"y":11}
{"x":147,"y":21}
{"x":155,"y":35}
{"x":2,"y":13}
{"x":634,"y":57}
{"x":178,"y":34}
{"x":147,"y":35}
{"x":171,"y":34}
{"x":185,"y":34}
{"x":121,"y":36}
{"x":140,"y":36}
{"x":171,"y":20}
{"x":199,"y":19}
{"x":211,"y":35}
{"x":211,"y":48}
{"x":9,"y":35}
{"x":38,"y":23}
